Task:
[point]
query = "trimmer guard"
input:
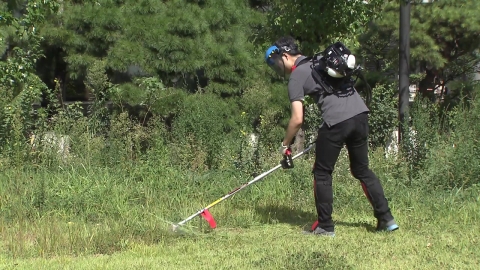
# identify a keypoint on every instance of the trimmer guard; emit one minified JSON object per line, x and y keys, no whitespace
{"x":209,"y":218}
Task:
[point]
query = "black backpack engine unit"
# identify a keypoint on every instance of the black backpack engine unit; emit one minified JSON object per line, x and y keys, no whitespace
{"x":334,"y":69}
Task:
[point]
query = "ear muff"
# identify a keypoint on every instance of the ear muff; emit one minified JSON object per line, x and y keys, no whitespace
{"x":351,"y":61}
{"x":274,"y":50}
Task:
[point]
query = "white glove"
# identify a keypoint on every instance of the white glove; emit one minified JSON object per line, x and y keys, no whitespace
{"x":283,"y":149}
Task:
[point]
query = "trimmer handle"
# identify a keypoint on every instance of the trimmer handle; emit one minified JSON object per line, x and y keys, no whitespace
{"x":287,"y":161}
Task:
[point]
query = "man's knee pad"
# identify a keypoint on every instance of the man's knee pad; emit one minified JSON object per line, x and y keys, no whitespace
{"x":360,"y":173}
{"x":322,"y":178}
{"x":323,"y":187}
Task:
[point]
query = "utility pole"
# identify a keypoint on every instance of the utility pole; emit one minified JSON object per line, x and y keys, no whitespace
{"x":404,"y":66}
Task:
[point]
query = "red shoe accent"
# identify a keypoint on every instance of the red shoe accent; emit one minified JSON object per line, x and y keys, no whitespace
{"x":314,"y":225}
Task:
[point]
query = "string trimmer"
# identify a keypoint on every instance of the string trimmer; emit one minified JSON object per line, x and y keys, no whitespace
{"x":286,"y":163}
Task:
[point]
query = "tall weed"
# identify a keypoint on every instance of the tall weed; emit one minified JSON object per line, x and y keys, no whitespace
{"x":454,"y":159}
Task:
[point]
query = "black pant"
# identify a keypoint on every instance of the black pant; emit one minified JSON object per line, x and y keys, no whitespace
{"x":352,"y":132}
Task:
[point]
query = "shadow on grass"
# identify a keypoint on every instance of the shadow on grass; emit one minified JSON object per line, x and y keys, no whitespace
{"x":369,"y":227}
{"x":283,"y":214}
{"x":297,"y":217}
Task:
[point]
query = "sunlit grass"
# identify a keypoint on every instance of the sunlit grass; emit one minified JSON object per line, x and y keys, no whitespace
{"x":106,"y":219}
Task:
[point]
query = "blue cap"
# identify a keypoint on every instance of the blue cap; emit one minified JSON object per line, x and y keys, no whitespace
{"x":269,"y":52}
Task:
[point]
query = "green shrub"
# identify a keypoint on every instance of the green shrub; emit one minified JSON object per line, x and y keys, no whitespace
{"x":383,"y":119}
{"x":423,"y":133}
{"x":204,"y":131}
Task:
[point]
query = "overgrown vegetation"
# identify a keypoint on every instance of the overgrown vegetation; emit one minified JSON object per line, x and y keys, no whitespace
{"x":198,"y":116}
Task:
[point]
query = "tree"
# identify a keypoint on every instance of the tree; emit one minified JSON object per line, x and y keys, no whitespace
{"x":203,"y":44}
{"x":20,"y":87}
{"x":192,"y":45}
{"x":317,"y":23}
{"x":445,"y":38}
{"x":78,"y":36}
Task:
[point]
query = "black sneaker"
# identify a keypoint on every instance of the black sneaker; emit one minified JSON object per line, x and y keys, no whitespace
{"x":321,"y":232}
{"x":389,"y":226}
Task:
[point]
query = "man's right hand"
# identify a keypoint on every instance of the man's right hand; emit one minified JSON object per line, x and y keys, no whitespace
{"x":287,"y":161}
{"x":284,"y":149}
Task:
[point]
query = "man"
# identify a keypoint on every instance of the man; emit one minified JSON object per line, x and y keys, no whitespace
{"x":345,"y":118}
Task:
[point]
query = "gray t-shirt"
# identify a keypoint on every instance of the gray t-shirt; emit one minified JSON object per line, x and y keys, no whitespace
{"x":336,"y":107}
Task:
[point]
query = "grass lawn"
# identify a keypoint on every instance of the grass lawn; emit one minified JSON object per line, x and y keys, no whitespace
{"x":424,"y":241}
{"x":99,"y":220}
